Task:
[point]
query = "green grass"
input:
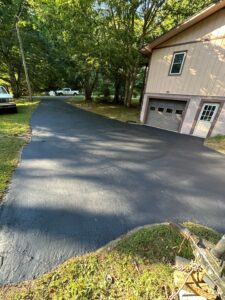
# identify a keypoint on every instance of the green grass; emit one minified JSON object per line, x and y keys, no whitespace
{"x":109,"y":110}
{"x":9,"y":149}
{"x":139,"y":266}
{"x":217,"y":143}
{"x":17,"y":124}
{"x":79,"y":97}
{"x":14,"y":132}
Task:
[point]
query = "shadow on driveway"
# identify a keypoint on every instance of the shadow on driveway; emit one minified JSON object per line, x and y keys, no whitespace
{"x":84,"y":180}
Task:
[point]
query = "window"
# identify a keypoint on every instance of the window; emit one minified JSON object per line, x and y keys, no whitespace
{"x":179,"y":112}
{"x":161,"y":109}
{"x":208,"y":113}
{"x":152,"y":108}
{"x":169,"y":110}
{"x":3,"y":90}
{"x":177,"y":63}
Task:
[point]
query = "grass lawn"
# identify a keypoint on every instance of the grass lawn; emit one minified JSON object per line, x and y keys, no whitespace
{"x":138,"y":266}
{"x":14,"y":133}
{"x":112,"y":111}
{"x":217,"y":143}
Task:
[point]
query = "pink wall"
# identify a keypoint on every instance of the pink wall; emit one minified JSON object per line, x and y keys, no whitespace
{"x":219,"y":128}
{"x":190,"y":115}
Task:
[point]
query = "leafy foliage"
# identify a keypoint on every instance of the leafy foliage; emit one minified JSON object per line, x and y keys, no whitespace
{"x":86,"y":44}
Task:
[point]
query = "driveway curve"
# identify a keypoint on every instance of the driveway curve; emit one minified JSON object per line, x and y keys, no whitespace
{"x":83,"y":180}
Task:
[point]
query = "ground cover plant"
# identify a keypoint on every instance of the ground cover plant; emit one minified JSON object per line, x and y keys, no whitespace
{"x":110,"y":110}
{"x":137,"y":266}
{"x":217,"y":143}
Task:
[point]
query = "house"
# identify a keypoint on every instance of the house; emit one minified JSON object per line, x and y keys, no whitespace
{"x":185,"y":85}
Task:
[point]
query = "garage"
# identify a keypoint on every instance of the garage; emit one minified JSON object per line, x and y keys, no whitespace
{"x":165,"y":114}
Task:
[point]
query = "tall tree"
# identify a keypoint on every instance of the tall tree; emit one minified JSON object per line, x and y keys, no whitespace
{"x":11,"y":67}
{"x":129,"y":23}
{"x":79,"y":42}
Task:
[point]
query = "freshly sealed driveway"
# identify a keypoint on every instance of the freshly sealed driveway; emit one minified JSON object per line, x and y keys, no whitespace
{"x":84,"y":180}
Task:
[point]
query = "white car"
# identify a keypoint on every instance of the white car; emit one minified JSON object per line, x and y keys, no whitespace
{"x":6,"y":103}
{"x":51,"y":93}
{"x":64,"y":92}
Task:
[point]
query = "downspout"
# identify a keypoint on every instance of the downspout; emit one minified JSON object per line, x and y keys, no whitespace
{"x":144,"y":86}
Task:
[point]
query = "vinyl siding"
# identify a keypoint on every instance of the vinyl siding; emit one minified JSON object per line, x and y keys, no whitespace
{"x":204,"y":68}
{"x":210,"y":27}
{"x":219,"y":128}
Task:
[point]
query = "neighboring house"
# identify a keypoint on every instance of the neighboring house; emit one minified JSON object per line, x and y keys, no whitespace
{"x":185,"y":86}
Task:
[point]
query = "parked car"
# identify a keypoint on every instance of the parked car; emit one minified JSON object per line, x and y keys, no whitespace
{"x":6,"y":103}
{"x":51,"y":93}
{"x":65,"y":92}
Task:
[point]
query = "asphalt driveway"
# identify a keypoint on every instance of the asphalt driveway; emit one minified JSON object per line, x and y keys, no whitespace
{"x":84,"y":180}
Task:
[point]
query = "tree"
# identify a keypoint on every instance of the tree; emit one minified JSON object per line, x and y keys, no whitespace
{"x":84,"y":43}
{"x":176,"y":11}
{"x":129,"y":23}
{"x":11,"y":67}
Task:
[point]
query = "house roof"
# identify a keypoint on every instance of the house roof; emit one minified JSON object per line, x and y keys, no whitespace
{"x":206,"y":12}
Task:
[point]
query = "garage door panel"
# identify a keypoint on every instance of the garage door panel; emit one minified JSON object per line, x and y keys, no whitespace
{"x":165,"y":114}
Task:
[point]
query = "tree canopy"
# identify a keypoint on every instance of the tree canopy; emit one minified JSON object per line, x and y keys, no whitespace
{"x":92,"y":45}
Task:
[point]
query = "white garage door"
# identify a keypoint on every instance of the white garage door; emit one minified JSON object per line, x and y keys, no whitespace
{"x":165,"y":114}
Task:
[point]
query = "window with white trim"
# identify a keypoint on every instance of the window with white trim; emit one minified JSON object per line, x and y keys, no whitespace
{"x":177,"y":63}
{"x":208,"y":112}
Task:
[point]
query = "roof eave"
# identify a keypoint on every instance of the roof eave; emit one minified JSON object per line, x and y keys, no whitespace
{"x":146,"y":51}
{"x":208,"y":11}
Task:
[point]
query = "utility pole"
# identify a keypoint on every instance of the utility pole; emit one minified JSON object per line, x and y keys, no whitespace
{"x":24,"y":61}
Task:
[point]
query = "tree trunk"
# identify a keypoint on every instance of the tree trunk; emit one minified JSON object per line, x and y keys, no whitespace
{"x":89,"y":85}
{"x":117,"y":85}
{"x":88,"y":92}
{"x":117,"y":89}
{"x":106,"y":92}
{"x":129,"y":87}
{"x":127,"y":83}
{"x":23,"y":60}
{"x":130,"y":81}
